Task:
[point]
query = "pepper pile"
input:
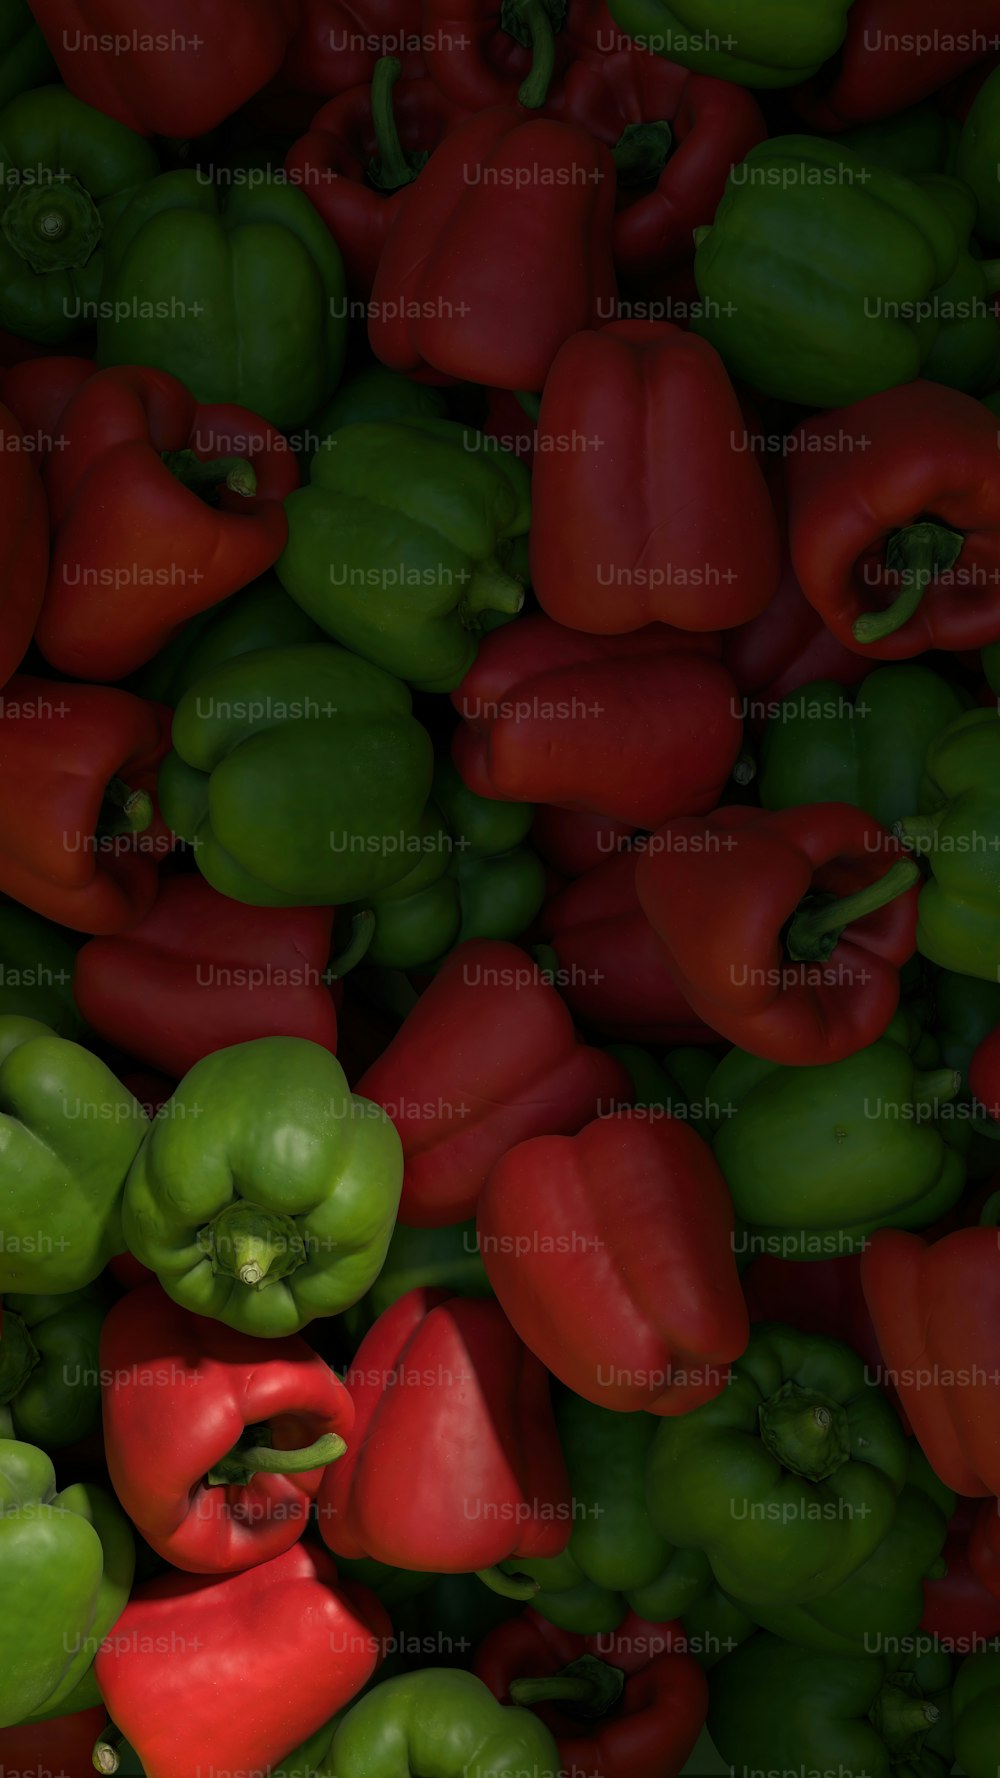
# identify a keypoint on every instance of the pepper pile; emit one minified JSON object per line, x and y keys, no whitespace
{"x":499,"y":888}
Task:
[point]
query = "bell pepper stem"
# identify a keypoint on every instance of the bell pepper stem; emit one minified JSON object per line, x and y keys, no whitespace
{"x":745,"y":769}
{"x":391,"y":167}
{"x":641,"y":152}
{"x":491,"y":589}
{"x":258,"y":1247}
{"x":534,"y":19}
{"x":362,"y":932}
{"x":935,"y":1084}
{"x":509,"y":1586}
{"x":812,"y":924}
{"x":123,"y":810}
{"x":542,"y":1691}
{"x":590,"y":1684}
{"x":918,"y":831}
{"x":902,"y":1719}
{"x":806,"y":1431}
{"x":106,"y":1756}
{"x":235,"y":473}
{"x":243,"y":1462}
{"x":918,"y":553}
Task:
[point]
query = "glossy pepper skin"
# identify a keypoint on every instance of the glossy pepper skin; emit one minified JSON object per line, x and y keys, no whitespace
{"x":291,"y":1184}
{"x":823,"y":745}
{"x":787,"y":1480}
{"x":441,"y":1722}
{"x":68,"y":1560}
{"x":957,"y":833}
{"x":458,"y":1107}
{"x":863,"y":1715}
{"x":454,"y":1463}
{"x":649,"y":1723}
{"x":37,"y":960}
{"x":79,"y":842}
{"x":976,"y":1702}
{"x":894,"y":53}
{"x":299,"y":774}
{"x":767,"y":46}
{"x":279,"y":355}
{"x":473,"y":283}
{"x":862,"y":1146}
{"x":630,"y":532}
{"x":297,"y":1645}
{"x":201,"y":972}
{"x":934,"y":1312}
{"x":978,"y":151}
{"x":599,"y":724}
{"x":720,"y":892}
{"x":886,"y":578}
{"x":405,"y":543}
{"x":651,"y":1252}
{"x":68,"y":171}
{"x":138,"y":548}
{"x":24,"y":546}
{"x":806,"y":203}
{"x":191,"y":1409}
{"x":70,"y":1133}
{"x":50,"y":1384}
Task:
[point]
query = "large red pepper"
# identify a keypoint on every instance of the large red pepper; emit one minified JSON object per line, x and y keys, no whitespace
{"x":360,"y":155}
{"x":631,"y":1218}
{"x":676,"y":137}
{"x":216,"y":1442}
{"x":894,"y":521}
{"x":201,"y":972}
{"x":614,"y":973}
{"x":136,"y":549}
{"x":166,"y":71}
{"x":573,"y":843}
{"x":482,"y":53}
{"x":786,"y":929}
{"x":961,"y":1607}
{"x":487,"y":1057}
{"x":984,"y":1074}
{"x":936,"y":1311}
{"x":501,"y":250}
{"x":787,"y":645}
{"x":336,"y":43}
{"x":79,"y":837}
{"x":647,"y":1725}
{"x":454,"y":1464}
{"x":636,"y":727}
{"x":38,"y":391}
{"x":895,"y":53}
{"x":226,"y":1674}
{"x":24,"y":543}
{"x":59,"y":1748}
{"x":627,"y":529}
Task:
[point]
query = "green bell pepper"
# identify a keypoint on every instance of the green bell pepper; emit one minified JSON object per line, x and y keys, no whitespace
{"x":300,"y":776}
{"x":828,"y":744}
{"x":765,"y":43}
{"x":403,"y":539}
{"x":811,"y":243}
{"x":66,"y":174}
{"x":25,"y":59}
{"x":261,"y":616}
{"x":67,"y":1561}
{"x":50,"y":1372}
{"x":714,"y":1625}
{"x":817,"y":1158}
{"x":957,"y":832}
{"x":965,"y":1011}
{"x":69,"y":1132}
{"x":965,"y":353}
{"x":37,"y":960}
{"x":441,"y":1723}
{"x":265,"y":1192}
{"x":420,"y":1259}
{"x":979,"y":156}
{"x":976,"y":1705}
{"x":789,"y":1479}
{"x":377,"y":394}
{"x":914,"y":143}
{"x":677,"y":1085}
{"x":775,"y":1707}
{"x":238,"y":290}
{"x":615,"y":1561}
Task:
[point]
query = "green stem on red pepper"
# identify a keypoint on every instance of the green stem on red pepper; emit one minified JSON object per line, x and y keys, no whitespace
{"x":590,"y":1687}
{"x":123,"y":810}
{"x":641,"y":153}
{"x":918,"y":553}
{"x":534,"y":24}
{"x":206,"y":478}
{"x":392,"y":166}
{"x":254,"y":1454}
{"x":816,"y":927}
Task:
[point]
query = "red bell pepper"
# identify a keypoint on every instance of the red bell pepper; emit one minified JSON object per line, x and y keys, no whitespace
{"x":935,"y":1310}
{"x":38,"y":391}
{"x":960,"y":1607}
{"x":894,"y":521}
{"x":633,"y":1219}
{"x":216,"y":1442}
{"x":79,"y":837}
{"x":607,"y":1729}
{"x":984,"y":1074}
{"x":614,"y":973}
{"x":454,"y":1464}
{"x":675,"y":135}
{"x":507,"y":421}
{"x":226,"y":1674}
{"x":501,"y":250}
{"x":201,"y":972}
{"x":787,"y":645}
{"x":895,"y":53}
{"x":360,"y":155}
{"x":482,"y":53}
{"x":137,"y":548}
{"x":24,"y":543}
{"x":175,"y":71}
{"x":336,"y":43}
{"x":59,"y":1748}
{"x":636,"y":727}
{"x":626,"y":529}
{"x":786,"y":930}
{"x":487,"y":1057}
{"x":574,"y":843}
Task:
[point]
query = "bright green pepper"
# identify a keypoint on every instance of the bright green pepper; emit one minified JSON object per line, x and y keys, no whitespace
{"x":25,"y":60}
{"x":402,"y":539}
{"x":266,"y":1192}
{"x":66,"y":174}
{"x":827,"y":744}
{"x":979,"y":155}
{"x":811,"y":243}
{"x":765,"y":43}
{"x":976,"y":1704}
{"x":37,"y":960}
{"x":238,"y":290}
{"x":300,"y":776}
{"x":916,"y":142}
{"x":957,"y":832}
{"x":50,"y":1375}
{"x":67,"y":1561}
{"x":69,"y":1132}
{"x":817,"y":1158}
{"x":775,"y":1707}
{"x":441,"y":1723}
{"x":789,"y":1479}
{"x":965,"y":353}
{"x":261,"y":616}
